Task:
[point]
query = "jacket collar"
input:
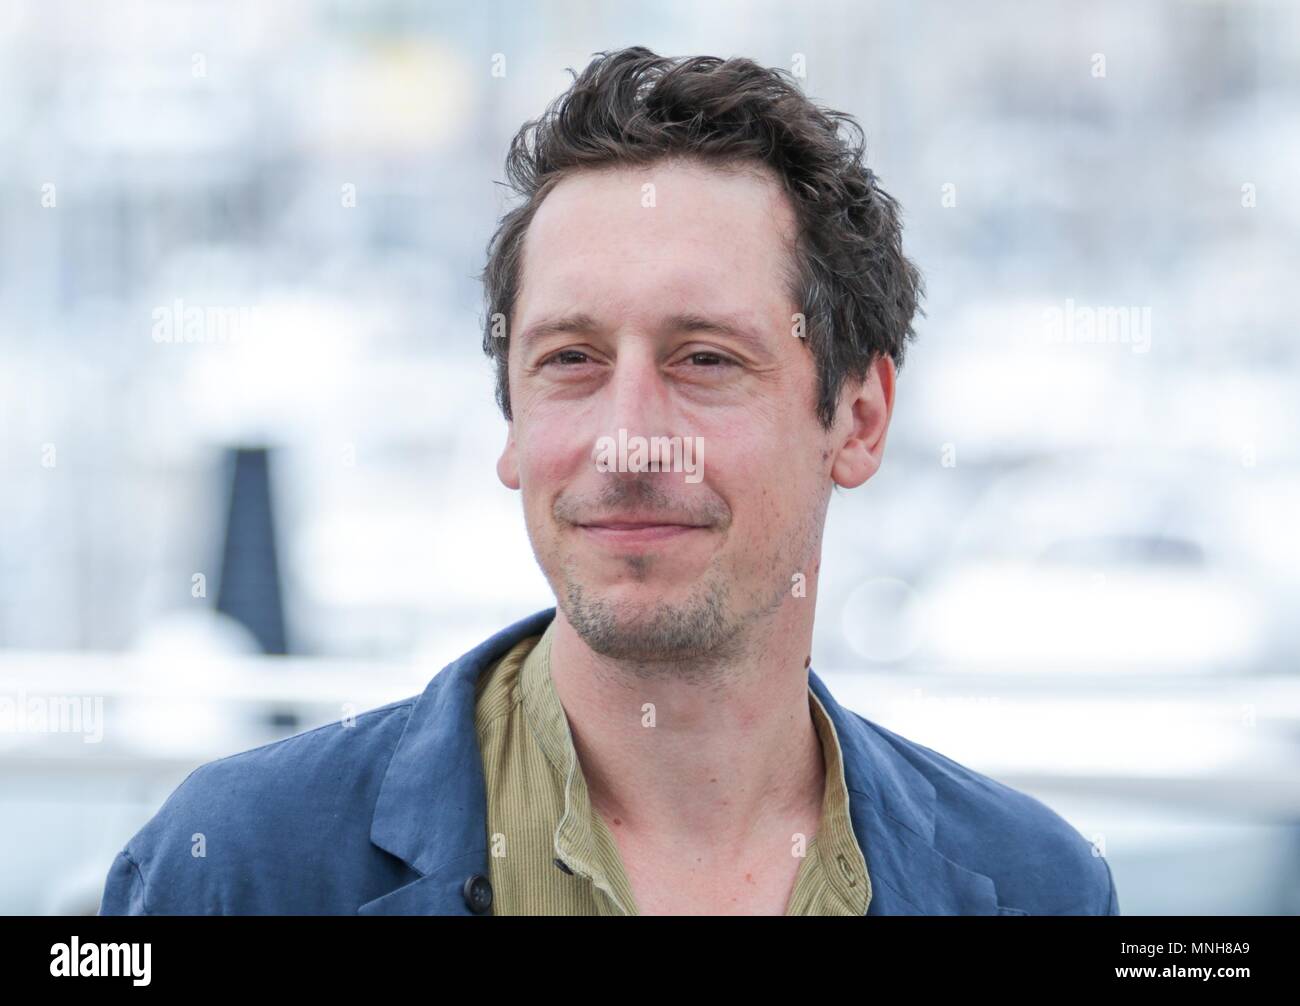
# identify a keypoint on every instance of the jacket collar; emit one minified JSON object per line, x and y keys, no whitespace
{"x":431,"y":809}
{"x":892,"y":805}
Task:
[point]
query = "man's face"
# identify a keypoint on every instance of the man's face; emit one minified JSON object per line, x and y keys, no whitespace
{"x":673,"y":321}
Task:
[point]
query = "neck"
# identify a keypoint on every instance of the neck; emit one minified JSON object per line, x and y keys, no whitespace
{"x":730,"y":750}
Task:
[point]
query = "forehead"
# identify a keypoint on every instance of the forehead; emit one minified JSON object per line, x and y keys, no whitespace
{"x":670,"y":232}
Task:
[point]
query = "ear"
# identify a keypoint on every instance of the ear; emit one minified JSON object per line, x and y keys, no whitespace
{"x":864,"y":413}
{"x":508,"y":463}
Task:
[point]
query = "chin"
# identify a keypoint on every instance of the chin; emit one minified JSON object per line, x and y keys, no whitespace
{"x":639,"y":621}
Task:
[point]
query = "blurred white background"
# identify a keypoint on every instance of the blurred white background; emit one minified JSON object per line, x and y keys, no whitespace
{"x":1078,"y":569}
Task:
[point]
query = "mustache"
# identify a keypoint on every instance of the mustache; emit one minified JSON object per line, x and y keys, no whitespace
{"x":643,"y":496}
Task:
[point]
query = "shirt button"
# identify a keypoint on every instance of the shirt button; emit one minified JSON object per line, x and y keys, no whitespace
{"x":850,"y":874}
{"x":478,"y":893}
{"x":563,"y":866}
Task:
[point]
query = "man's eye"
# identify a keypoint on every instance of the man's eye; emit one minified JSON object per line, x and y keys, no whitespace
{"x":574,"y":357}
{"x":565,"y":356}
{"x":712,"y":359}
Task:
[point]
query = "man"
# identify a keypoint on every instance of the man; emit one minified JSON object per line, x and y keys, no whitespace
{"x":696,"y":313}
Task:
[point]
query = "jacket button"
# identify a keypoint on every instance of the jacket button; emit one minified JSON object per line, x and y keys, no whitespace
{"x":563,"y":866}
{"x":478,"y":893}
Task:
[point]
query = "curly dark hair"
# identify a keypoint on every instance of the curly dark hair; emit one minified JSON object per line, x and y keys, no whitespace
{"x":858,"y":291}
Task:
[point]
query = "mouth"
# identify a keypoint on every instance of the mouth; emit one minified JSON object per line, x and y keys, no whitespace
{"x":635,"y":533}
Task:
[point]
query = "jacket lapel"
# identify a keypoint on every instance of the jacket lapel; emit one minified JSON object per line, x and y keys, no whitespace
{"x":892,"y":806}
{"x":432,"y":807}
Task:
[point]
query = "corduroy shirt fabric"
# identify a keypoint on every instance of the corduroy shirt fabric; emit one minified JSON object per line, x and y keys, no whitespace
{"x":539,"y":813}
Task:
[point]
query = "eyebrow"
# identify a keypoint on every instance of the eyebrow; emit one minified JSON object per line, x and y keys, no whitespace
{"x":582,"y":323}
{"x":579,"y":323}
{"x":720,"y":325}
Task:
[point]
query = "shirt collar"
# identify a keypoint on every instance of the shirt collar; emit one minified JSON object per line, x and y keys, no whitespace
{"x":582,"y":839}
{"x":431,"y":811}
{"x":843,"y":865}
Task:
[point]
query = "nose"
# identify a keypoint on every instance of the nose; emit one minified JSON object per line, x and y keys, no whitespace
{"x":636,"y":398}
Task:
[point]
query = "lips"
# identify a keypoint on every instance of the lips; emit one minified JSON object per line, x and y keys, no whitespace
{"x":636,"y":521}
{"x":635,"y":525}
{"x":636,"y":532}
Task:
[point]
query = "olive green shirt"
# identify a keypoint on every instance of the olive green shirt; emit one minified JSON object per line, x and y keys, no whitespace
{"x":551,"y":854}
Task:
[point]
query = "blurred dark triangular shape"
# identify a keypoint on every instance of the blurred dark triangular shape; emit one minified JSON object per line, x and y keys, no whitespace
{"x":250,"y":571}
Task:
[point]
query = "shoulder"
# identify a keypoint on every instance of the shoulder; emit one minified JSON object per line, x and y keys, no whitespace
{"x":267,"y":828}
{"x":1038,"y":861}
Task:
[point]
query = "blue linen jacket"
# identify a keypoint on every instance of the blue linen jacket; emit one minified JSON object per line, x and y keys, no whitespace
{"x":387,"y":816}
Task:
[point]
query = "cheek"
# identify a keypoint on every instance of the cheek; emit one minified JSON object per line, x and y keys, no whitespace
{"x":749,"y":455}
{"x":549,"y":456}
{"x":771,"y":483}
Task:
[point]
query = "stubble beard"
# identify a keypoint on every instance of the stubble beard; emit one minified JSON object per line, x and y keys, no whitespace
{"x":700,"y":639}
